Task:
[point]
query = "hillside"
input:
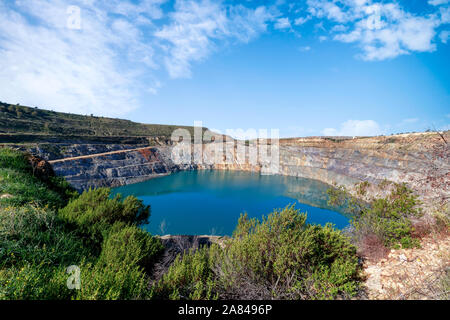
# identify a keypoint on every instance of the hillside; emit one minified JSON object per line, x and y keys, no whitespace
{"x":33,"y":124}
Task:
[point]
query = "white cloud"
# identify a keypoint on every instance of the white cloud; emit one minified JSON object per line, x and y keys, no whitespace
{"x":195,"y":26}
{"x":382,"y":30}
{"x":438,"y":2}
{"x":112,"y":60}
{"x":326,"y":9}
{"x":305,"y":48}
{"x":354,"y":128}
{"x":444,"y":36}
{"x":301,"y":20}
{"x":46,"y":64}
{"x":122,"y":45}
{"x":319,"y":27}
{"x":339,"y":28}
{"x":282,"y":23}
{"x":445,"y":14}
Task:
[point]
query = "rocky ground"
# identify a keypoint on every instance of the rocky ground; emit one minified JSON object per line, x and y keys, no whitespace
{"x":411,"y":273}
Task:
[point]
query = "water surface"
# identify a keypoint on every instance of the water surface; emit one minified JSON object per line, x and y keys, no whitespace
{"x":210,"y":202}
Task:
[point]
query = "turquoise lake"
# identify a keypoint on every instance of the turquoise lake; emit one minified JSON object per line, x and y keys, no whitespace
{"x":209,"y":202}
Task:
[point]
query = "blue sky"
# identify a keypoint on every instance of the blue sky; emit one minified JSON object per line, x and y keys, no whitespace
{"x":313,"y":67}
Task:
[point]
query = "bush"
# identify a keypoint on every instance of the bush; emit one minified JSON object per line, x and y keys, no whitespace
{"x":122,"y":281}
{"x":282,"y":257}
{"x":119,"y":273}
{"x":94,"y":212}
{"x":62,"y":188}
{"x":388,"y":219}
{"x":131,"y":246}
{"x":36,"y":247}
{"x":34,"y":282}
{"x":279,"y":257}
{"x":361,"y":188}
{"x":190,"y":277}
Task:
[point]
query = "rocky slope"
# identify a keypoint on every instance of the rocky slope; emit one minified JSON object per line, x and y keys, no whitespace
{"x":411,"y":273}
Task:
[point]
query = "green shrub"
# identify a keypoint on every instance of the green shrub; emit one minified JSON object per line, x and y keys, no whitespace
{"x":36,"y":248}
{"x":442,"y":217}
{"x":119,"y":273}
{"x":389,"y":218}
{"x":279,"y":257}
{"x":94,"y":212}
{"x":37,"y":245}
{"x":283,"y":257}
{"x":361,"y":188}
{"x":339,"y":197}
{"x":190,"y":277}
{"x":386,"y":218}
{"x":130,"y":245}
{"x":34,"y":282}
{"x":63,"y":188}
{"x":122,"y":281}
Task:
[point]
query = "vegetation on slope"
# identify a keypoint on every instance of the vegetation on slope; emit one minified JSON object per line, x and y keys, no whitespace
{"x":19,"y":185}
{"x":25,"y":120}
{"x":385,"y":221}
{"x":40,"y":237}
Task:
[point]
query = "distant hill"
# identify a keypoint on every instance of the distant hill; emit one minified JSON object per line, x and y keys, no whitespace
{"x":24,"y":121}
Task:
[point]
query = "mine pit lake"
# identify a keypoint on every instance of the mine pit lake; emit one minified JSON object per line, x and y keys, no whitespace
{"x":209,"y":202}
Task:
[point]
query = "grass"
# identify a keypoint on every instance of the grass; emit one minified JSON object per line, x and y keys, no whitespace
{"x":36,"y":235}
{"x":20,"y":186}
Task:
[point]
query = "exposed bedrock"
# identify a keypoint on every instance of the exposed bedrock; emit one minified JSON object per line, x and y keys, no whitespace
{"x":420,"y":160}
